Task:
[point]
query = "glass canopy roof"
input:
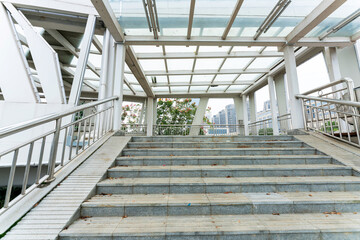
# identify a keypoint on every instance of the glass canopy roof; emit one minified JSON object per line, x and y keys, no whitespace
{"x":207,"y":69}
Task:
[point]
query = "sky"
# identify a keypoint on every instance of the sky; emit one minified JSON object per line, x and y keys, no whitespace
{"x":311,"y":74}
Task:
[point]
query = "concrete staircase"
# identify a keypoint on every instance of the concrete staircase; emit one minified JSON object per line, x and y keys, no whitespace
{"x":222,"y":188}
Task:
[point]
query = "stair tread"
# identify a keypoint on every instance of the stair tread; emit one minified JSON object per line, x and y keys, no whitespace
{"x":227,"y":142}
{"x":225,"y":180}
{"x":228,"y":167}
{"x":219,"y":149}
{"x":224,"y":157}
{"x":213,"y":225}
{"x":221,"y":199}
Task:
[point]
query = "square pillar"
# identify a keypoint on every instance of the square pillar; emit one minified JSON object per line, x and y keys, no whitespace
{"x":245,"y":115}
{"x":274,"y":108}
{"x":118,"y":84}
{"x":149,"y":116}
{"x":282,"y":100}
{"x":293,"y":88}
{"x":199,"y":116}
{"x":252,"y":108}
{"x":239,"y":110}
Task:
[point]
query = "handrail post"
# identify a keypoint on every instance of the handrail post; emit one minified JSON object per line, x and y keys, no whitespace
{"x":53,"y":151}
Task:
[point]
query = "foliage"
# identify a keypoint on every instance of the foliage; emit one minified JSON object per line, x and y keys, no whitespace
{"x":268,"y":131}
{"x":334,"y":124}
{"x":131,"y":113}
{"x":177,"y":112}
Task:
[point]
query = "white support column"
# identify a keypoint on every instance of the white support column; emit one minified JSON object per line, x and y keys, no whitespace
{"x":16,"y":82}
{"x":154,"y":111}
{"x":282,"y":99}
{"x":349,"y":63}
{"x":274,"y":108}
{"x":149,"y":116}
{"x":332,"y":63}
{"x":199,"y":116}
{"x":142,"y":113}
{"x":45,"y":59}
{"x":118,"y":84}
{"x":82,"y":61}
{"x":104,"y":65}
{"x":252,"y":106}
{"x":293,"y":88}
{"x":245,"y":115}
{"x":239,"y":110}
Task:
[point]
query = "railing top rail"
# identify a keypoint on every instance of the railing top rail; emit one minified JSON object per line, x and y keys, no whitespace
{"x":346,"y":80}
{"x":269,"y":119}
{"x":343,"y":102}
{"x":15,"y":128}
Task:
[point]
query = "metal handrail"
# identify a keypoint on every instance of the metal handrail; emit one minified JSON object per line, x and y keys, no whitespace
{"x":341,"y":102}
{"x":348,"y":82}
{"x":91,"y":127}
{"x":15,"y":128}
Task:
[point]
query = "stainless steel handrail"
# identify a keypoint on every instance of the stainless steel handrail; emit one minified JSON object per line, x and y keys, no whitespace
{"x":348,"y":82}
{"x":341,"y":102}
{"x":15,"y":128}
{"x":84,"y":124}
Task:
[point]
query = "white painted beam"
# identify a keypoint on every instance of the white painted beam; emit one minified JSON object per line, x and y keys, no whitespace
{"x":207,"y":72}
{"x":63,"y":41}
{"x":222,"y":83}
{"x":16,"y":82}
{"x":195,"y":94}
{"x":321,"y":12}
{"x":97,"y":44}
{"x":107,"y":15}
{"x":190,"y":55}
{"x":45,"y":59}
{"x":74,"y":7}
{"x":137,"y":70}
{"x":235,"y":41}
{"x":232,"y":19}
{"x":82,"y":61}
{"x":191,"y":18}
{"x":355,"y":37}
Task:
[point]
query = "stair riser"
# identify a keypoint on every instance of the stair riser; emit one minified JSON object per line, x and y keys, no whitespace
{"x":201,"y":188}
{"x":228,"y":209}
{"x":231,"y":173}
{"x":171,"y":162}
{"x":217,"y":145}
{"x":212,"y":139}
{"x":212,"y":152}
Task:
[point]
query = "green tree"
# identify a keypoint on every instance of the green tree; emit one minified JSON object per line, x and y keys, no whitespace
{"x":176,"y":112}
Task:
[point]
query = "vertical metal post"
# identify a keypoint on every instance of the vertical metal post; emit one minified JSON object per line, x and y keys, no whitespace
{"x":27,"y":168}
{"x":53,"y":151}
{"x":11,"y":179}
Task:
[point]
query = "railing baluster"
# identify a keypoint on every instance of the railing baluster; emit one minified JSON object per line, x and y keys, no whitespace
{"x":84,"y":135}
{"x":53,"y":150}
{"x":63,"y":148}
{"x":11,"y":179}
{"x":38,"y":173}
{"x":27,"y":168}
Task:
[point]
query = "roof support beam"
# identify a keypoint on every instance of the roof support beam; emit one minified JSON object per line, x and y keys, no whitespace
{"x":63,"y":41}
{"x":137,"y":70}
{"x":322,"y":11}
{"x":191,"y":55}
{"x":83,"y":58}
{"x":355,"y":37}
{"x":97,"y":44}
{"x":207,"y":72}
{"x":191,"y":18}
{"x":223,"y":83}
{"x":236,"y":41}
{"x":107,"y":15}
{"x":232,"y":18}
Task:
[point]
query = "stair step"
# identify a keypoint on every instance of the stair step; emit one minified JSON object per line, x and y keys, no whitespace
{"x":233,"y":184}
{"x":218,"y":152}
{"x":229,"y":170}
{"x":212,"y":139}
{"x":224,"y":160}
{"x":211,"y":227}
{"x":220,"y":204}
{"x":262,"y":144}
